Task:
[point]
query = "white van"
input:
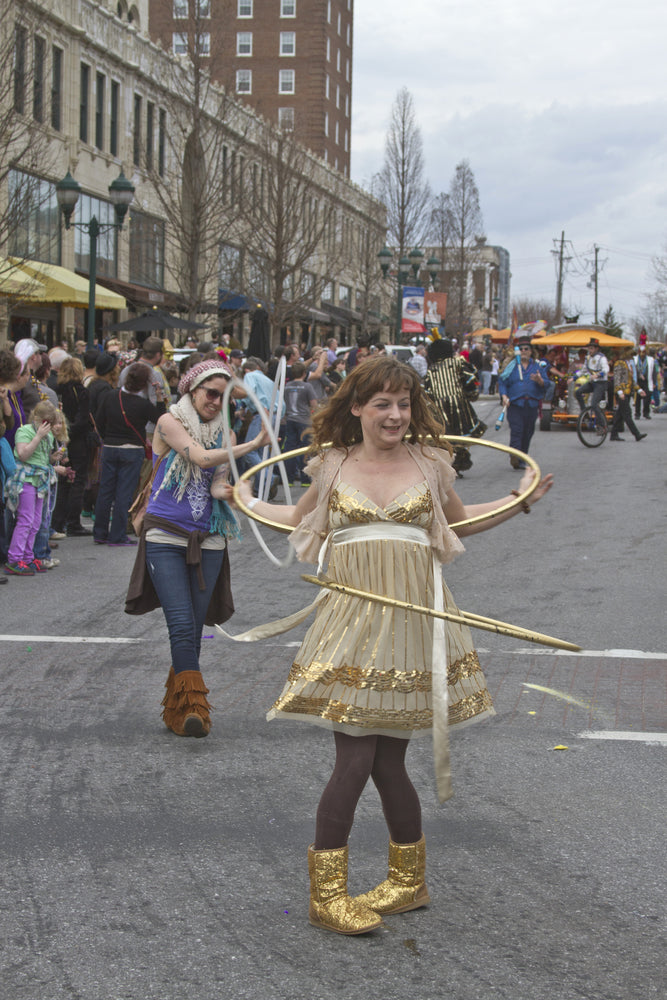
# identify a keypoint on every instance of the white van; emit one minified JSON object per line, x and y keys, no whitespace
{"x":403,"y":352}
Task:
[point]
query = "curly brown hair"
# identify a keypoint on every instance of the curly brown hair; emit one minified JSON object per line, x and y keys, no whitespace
{"x":336,"y":423}
{"x":10,"y":367}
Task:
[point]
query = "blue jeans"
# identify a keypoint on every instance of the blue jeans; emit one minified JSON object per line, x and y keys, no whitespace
{"x":522,"y":425}
{"x":296,"y":436}
{"x":119,"y":475}
{"x":183,"y":603}
{"x":255,"y":457}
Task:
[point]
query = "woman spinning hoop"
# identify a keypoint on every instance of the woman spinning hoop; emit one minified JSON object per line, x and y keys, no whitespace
{"x":375,"y":675}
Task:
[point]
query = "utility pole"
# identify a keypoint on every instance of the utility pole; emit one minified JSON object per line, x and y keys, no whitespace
{"x":559,"y":283}
{"x":596,"y":248}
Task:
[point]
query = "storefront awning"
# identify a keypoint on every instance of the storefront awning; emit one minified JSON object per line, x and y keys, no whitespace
{"x":16,"y":283}
{"x":65,"y":287}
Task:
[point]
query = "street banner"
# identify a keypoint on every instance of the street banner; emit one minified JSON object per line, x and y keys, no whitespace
{"x":412,"y":314}
{"x":435,"y":305}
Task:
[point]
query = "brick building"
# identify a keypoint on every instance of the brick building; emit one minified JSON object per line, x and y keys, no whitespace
{"x":291,"y":60}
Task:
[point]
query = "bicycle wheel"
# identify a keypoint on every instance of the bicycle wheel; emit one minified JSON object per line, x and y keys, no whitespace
{"x":592,"y":427}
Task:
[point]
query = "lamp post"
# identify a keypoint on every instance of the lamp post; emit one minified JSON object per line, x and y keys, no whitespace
{"x":121,"y":193}
{"x":412,"y":262}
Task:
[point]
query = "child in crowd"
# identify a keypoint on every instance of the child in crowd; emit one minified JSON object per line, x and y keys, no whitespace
{"x":30,"y":484}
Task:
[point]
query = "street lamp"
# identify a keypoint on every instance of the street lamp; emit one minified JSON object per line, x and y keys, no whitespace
{"x":412,"y":262}
{"x":121,"y":193}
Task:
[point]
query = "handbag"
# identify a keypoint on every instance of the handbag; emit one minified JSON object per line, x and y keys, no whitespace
{"x":137,"y":511}
{"x":148,"y":447}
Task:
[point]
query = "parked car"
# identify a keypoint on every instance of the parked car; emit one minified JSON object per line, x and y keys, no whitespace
{"x":401,"y":351}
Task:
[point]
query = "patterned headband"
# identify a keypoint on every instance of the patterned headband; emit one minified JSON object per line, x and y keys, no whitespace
{"x":199,"y":373}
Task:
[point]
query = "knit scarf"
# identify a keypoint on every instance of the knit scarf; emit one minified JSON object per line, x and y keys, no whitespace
{"x":179,"y":472}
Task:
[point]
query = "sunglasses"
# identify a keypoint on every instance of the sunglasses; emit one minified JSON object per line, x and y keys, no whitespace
{"x":524,"y":347}
{"x":213,"y":395}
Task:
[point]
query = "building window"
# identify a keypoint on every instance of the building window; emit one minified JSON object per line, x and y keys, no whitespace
{"x":338,"y":60}
{"x":113,"y":120}
{"x":337,"y":134}
{"x":107,"y":243}
{"x":328,"y":50}
{"x":244,"y":43}
{"x":347,"y":105}
{"x":348,"y":34}
{"x":202,"y":8}
{"x":136,"y":131}
{"x":38,"y":79}
{"x":161,"y":142}
{"x":327,"y":85}
{"x":344,"y":295}
{"x":329,"y":11}
{"x":20,"y":43}
{"x":245,"y":8}
{"x":150,"y":128}
{"x":244,"y":81}
{"x":286,"y":81}
{"x":288,"y":8}
{"x":56,"y":87}
{"x":179,"y":42}
{"x":326,"y":123}
{"x":287,"y":43}
{"x":286,"y":119}
{"x":230,"y":272}
{"x":181,"y":11}
{"x":146,"y":250}
{"x":203,"y":39}
{"x":347,"y":69}
{"x":339,"y":26}
{"x":33,"y":224}
{"x":100,"y":85}
{"x":327,"y":292}
{"x":337,"y":96}
{"x":84,"y":99}
{"x":347,"y":141}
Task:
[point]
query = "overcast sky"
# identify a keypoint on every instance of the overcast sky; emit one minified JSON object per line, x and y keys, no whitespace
{"x":561,"y":109}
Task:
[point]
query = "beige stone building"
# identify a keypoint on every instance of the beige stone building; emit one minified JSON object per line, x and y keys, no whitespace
{"x":95,"y":95}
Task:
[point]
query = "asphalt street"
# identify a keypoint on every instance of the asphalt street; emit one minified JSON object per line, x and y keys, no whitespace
{"x":140,"y":866}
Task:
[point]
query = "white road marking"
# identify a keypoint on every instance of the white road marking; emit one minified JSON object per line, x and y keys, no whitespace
{"x":67,"y":638}
{"x":652,"y":739}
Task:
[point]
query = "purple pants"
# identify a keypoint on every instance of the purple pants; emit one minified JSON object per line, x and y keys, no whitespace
{"x":28,"y":520}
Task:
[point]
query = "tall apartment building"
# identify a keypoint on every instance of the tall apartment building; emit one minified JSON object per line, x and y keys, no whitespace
{"x":291,"y":60}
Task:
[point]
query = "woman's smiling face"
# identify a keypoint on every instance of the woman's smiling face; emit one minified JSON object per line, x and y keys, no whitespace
{"x":385,"y":418}
{"x":207,"y":397}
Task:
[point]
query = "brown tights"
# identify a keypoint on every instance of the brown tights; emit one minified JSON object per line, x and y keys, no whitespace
{"x":381,"y":758}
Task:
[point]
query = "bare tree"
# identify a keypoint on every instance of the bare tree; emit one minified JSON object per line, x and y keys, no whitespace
{"x":652,"y":317}
{"x":26,"y":158}
{"x":530,"y":310}
{"x":199,"y":174}
{"x":295,"y":229}
{"x":459,"y":219}
{"x":401,"y":181}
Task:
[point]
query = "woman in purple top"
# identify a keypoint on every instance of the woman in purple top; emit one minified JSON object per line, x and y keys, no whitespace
{"x":183,"y":545}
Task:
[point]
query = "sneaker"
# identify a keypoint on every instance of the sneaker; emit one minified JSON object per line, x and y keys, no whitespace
{"x":38,"y":566}
{"x":126,"y":541}
{"x":50,"y":563}
{"x":57,"y":535}
{"x":18,"y":569}
{"x":640,"y":437}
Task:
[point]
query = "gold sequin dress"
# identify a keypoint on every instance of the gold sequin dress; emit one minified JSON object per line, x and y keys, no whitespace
{"x":366,"y":668}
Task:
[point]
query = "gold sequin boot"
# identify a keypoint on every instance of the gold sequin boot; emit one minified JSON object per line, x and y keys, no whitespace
{"x":186,"y":708}
{"x":330,"y":905}
{"x":404,"y":888}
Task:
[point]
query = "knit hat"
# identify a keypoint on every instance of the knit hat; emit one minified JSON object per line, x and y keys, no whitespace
{"x":199,"y":373}
{"x":105,"y":364}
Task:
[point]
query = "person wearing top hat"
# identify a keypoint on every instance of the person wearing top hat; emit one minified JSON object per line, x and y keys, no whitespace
{"x":643,"y":369}
{"x":522,"y":385}
{"x":596,"y":374}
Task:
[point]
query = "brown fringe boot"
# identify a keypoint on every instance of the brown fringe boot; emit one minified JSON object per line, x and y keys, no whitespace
{"x":186,"y":708}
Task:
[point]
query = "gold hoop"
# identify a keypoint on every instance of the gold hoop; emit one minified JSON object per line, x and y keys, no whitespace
{"x":449,"y":438}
